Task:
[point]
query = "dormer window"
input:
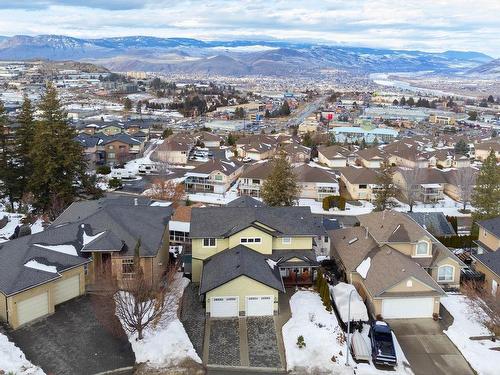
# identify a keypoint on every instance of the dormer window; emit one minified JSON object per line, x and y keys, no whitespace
{"x":445,"y":273}
{"x":422,"y":249}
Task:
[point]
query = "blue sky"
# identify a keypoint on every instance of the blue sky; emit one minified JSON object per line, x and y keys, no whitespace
{"x":430,"y":25}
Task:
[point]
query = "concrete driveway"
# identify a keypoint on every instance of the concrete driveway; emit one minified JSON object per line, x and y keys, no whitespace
{"x":428,"y":349}
{"x":83,"y":337}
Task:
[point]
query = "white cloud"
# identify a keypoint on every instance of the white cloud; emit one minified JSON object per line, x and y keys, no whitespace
{"x":424,"y":24}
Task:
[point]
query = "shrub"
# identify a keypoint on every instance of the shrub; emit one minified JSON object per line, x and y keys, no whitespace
{"x":115,"y":183}
{"x":103,"y":169}
{"x":300,"y":342}
{"x":334,"y":201}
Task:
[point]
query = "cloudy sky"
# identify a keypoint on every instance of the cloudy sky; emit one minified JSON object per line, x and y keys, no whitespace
{"x":431,"y":25}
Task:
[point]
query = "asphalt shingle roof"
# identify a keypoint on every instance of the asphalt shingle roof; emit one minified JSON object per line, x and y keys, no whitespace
{"x":225,"y":221}
{"x":491,"y":225}
{"x":238,"y":261}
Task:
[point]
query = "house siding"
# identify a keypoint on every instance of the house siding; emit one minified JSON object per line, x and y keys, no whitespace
{"x":12,"y":301}
{"x":242,"y":287}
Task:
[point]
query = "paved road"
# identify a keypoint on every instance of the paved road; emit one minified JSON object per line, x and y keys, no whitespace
{"x":83,"y":337}
{"x":307,"y":111}
{"x":428,"y":349}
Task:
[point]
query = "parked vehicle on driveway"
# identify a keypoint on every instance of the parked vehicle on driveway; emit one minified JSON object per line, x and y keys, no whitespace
{"x":383,"y":351}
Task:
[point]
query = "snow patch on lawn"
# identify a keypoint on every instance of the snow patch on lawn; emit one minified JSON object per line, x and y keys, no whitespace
{"x":467,"y":324}
{"x":12,"y":359}
{"x":166,"y":343}
{"x":321,"y":332}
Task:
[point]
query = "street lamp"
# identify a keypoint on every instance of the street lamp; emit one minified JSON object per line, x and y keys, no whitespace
{"x":348,"y":327}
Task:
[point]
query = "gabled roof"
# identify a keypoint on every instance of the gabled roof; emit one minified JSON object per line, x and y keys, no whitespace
{"x":359,"y":175}
{"x":226,"y":167}
{"x":491,"y":225}
{"x":392,"y":226}
{"x":245,"y":201}
{"x":490,"y":259}
{"x":259,"y":170}
{"x":127,"y":221}
{"x":306,"y":173}
{"x":389,"y":267}
{"x":15,"y":276}
{"x":334,"y":152}
{"x":434,"y":222}
{"x":222,"y":222}
{"x":229,"y":264}
{"x":371,"y":153}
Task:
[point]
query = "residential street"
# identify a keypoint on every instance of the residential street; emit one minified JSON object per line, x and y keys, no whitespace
{"x":428,"y":349}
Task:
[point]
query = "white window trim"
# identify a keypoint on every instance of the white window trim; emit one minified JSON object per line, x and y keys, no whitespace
{"x":286,"y":240}
{"x":417,"y":255}
{"x":452,"y":274}
{"x":253,"y":240}
{"x":208,"y":238}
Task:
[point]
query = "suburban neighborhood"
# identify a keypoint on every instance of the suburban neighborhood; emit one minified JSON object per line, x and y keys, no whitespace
{"x":303,"y":188}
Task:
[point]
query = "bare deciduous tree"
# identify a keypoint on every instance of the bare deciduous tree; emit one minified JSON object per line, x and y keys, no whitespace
{"x":411,"y":188}
{"x":485,"y":305}
{"x":166,"y":190}
{"x":465,"y":179}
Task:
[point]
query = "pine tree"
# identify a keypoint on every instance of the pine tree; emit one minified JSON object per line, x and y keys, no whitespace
{"x":127,"y":105}
{"x":24,"y":142}
{"x":386,"y":188}
{"x":58,"y":160}
{"x":486,"y":195}
{"x":280,"y":188}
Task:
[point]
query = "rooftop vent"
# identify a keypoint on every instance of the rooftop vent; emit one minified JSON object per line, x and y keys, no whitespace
{"x":353,"y":240}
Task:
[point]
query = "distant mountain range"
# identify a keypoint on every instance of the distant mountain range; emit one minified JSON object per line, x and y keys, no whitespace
{"x":490,"y":69}
{"x":232,"y":57}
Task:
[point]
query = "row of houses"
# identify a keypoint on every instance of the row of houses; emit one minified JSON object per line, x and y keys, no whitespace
{"x":243,"y":256}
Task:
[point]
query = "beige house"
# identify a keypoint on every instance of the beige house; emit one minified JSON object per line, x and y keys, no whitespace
{"x":244,"y":254}
{"x":335,"y":156}
{"x":371,"y":157}
{"x":175,"y":149}
{"x":252,"y":178}
{"x":214,"y":176}
{"x":398,"y":268}
{"x":487,"y":258}
{"x":483,"y":149}
{"x":360,"y":183}
{"x":316,"y":183}
{"x":428,"y":183}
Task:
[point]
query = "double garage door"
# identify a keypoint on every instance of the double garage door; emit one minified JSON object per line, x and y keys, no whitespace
{"x":37,"y":306}
{"x":224,"y":307}
{"x":402,"y":308}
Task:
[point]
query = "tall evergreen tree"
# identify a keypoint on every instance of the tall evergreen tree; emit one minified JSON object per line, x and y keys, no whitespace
{"x":280,"y":187}
{"x":24,"y":143}
{"x":386,"y":187}
{"x":58,"y":160}
{"x":486,"y":195}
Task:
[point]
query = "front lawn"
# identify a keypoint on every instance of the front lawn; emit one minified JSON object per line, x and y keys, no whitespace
{"x":467,"y":323}
{"x":325,"y":344}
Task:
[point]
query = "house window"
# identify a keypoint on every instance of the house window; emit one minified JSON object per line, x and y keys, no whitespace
{"x":250,"y":240}
{"x":128,"y":268}
{"x":363,"y":186}
{"x":422,"y":248}
{"x":326,"y":239}
{"x":86,"y":269}
{"x":111,"y":155}
{"x":209,"y":242}
{"x":445,"y":273}
{"x":218,"y":178}
{"x":286,"y":240}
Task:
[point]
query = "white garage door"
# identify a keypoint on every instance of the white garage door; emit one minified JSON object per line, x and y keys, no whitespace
{"x":401,"y":308}
{"x":32,"y":308}
{"x":224,"y":307}
{"x":259,"y":305}
{"x":66,"y":289}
